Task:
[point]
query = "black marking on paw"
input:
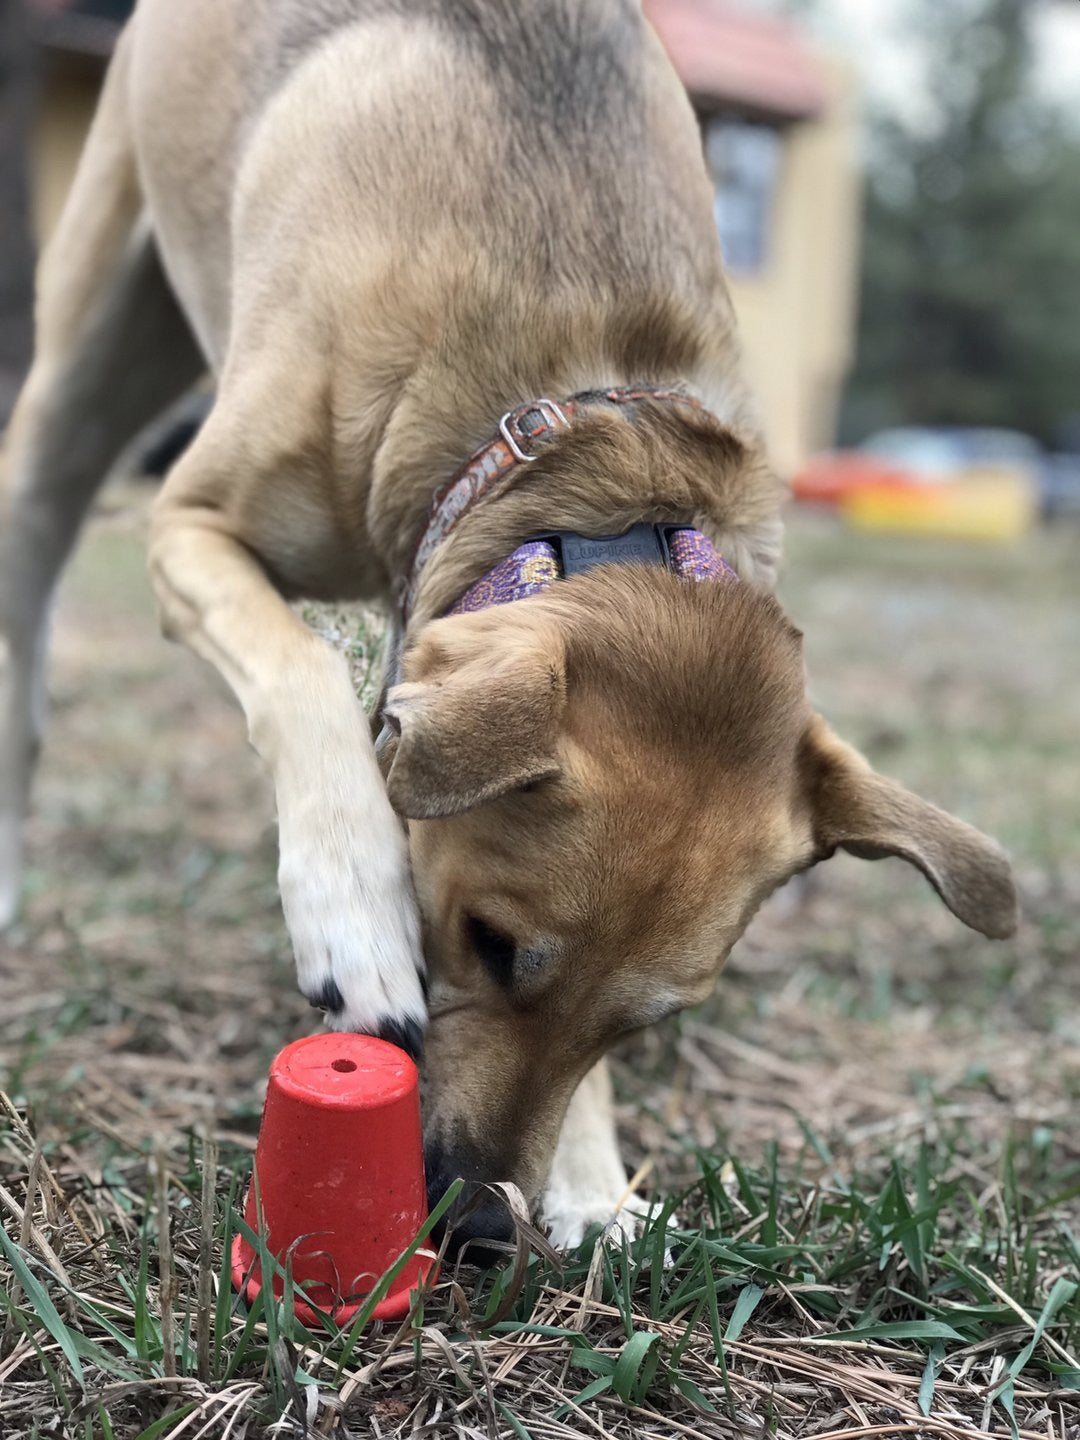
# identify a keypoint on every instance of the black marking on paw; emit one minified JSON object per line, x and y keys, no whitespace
{"x":328,"y":997}
{"x":407,"y":1035}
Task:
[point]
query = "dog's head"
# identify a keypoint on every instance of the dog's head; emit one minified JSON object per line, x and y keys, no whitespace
{"x":603,"y":783}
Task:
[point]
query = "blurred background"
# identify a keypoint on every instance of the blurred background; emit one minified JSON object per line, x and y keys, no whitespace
{"x":897,"y":190}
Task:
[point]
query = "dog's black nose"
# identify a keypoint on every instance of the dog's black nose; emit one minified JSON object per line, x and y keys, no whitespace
{"x":477,"y":1215}
{"x":479,"y":1224}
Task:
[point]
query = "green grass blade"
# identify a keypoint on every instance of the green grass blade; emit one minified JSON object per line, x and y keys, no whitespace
{"x":745,"y":1305}
{"x":47,"y":1312}
{"x":714,"y":1326}
{"x":1062,"y":1292}
{"x":594,"y":1388}
{"x":95,"y":1355}
{"x":635,"y":1367}
{"x":929,"y":1378}
{"x":24,"y":1323}
{"x":655,"y":1241}
{"x":683,"y":1343}
{"x":226,"y":1296}
{"x":513,"y":1421}
{"x":898,"y":1330}
{"x":148,"y":1342}
{"x":243,"y":1351}
{"x":164,"y":1423}
{"x":690,"y":1391}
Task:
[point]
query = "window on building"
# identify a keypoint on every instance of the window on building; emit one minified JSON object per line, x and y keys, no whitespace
{"x":744,"y":161}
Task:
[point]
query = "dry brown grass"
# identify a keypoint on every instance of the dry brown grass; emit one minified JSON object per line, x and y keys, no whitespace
{"x":149,"y":983}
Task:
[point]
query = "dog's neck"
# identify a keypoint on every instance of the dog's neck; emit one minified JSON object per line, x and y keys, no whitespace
{"x":522,"y":434}
{"x":668,"y":462}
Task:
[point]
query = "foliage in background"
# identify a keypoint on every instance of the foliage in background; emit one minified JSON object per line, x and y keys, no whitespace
{"x":970,"y":306}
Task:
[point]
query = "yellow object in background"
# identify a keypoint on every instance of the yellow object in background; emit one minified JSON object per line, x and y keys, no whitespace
{"x":988,"y":503}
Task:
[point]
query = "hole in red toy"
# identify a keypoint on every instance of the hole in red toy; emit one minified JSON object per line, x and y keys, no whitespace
{"x":343,"y":1065}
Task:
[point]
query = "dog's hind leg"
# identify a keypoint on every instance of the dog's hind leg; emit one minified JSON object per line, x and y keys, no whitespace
{"x":112,"y":349}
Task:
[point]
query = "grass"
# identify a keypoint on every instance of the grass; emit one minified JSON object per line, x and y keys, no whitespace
{"x":865,"y":1152}
{"x":925,"y":1296}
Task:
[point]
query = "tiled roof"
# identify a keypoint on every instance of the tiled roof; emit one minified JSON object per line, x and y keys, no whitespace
{"x":726,"y":54}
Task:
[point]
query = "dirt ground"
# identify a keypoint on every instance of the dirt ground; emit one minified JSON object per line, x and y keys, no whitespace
{"x":149,"y":981}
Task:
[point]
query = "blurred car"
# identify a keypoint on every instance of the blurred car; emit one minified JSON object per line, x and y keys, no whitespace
{"x":978,"y":483}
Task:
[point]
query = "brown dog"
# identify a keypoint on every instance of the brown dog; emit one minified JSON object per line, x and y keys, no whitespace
{"x":385,"y":224}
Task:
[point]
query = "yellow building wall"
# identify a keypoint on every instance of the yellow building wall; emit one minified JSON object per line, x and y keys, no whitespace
{"x":797,"y":315}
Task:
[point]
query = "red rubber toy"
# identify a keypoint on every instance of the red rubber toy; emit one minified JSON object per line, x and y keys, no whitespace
{"x":341,"y":1175}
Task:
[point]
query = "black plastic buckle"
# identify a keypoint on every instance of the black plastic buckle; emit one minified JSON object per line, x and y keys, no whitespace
{"x":640,"y":545}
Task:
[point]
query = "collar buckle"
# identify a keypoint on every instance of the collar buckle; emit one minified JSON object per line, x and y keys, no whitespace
{"x":529,"y":423}
{"x":640,"y":545}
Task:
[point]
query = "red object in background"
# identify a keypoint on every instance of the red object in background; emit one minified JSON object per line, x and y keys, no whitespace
{"x":341,"y":1175}
{"x":832,"y":478}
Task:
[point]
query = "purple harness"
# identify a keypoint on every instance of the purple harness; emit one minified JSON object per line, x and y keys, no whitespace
{"x":534,"y":566}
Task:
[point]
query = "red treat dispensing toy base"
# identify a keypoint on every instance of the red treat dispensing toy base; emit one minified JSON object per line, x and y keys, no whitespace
{"x":341,"y":1176}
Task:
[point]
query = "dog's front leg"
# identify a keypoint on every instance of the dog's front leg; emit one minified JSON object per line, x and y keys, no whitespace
{"x":587,"y":1185}
{"x":344,"y":875}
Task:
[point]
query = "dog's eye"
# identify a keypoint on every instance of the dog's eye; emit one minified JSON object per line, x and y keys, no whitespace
{"x":495,"y":949}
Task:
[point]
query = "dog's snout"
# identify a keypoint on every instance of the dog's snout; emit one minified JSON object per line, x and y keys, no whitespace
{"x":478,"y":1214}
{"x":482,"y":1226}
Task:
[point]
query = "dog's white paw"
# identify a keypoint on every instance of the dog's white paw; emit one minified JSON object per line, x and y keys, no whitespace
{"x":570,"y":1216}
{"x":351,"y":913}
{"x":568,"y":1229}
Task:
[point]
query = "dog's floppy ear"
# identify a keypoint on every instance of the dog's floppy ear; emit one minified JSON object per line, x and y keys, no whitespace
{"x":484,"y":720}
{"x":855,"y":808}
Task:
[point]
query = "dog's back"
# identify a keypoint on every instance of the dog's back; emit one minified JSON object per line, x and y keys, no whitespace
{"x":554,"y":134}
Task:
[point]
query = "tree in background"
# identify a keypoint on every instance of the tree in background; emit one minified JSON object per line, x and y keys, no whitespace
{"x":970,"y":307}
